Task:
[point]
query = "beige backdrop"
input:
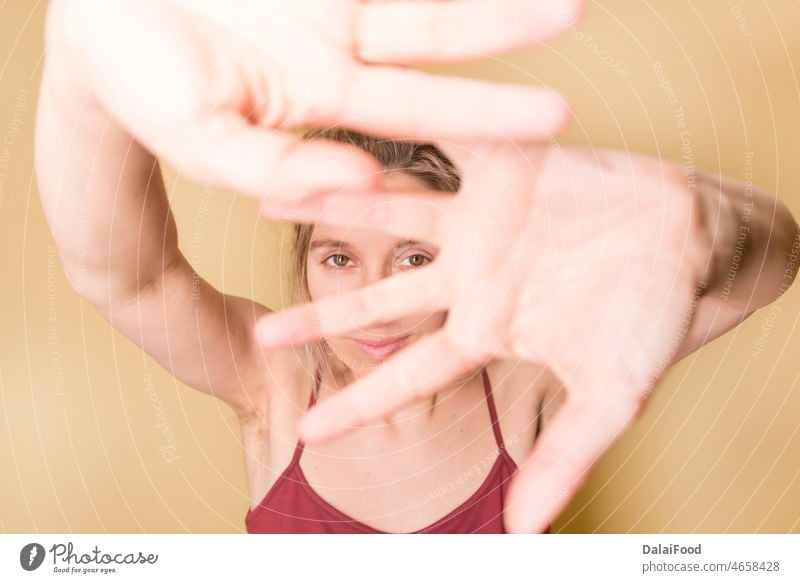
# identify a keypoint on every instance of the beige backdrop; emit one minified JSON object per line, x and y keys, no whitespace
{"x":94,"y":437}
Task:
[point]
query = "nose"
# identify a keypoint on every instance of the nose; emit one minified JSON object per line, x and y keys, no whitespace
{"x":373,"y":275}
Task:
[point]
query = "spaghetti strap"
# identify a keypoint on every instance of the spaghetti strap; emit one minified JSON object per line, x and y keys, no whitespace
{"x":498,"y":435}
{"x":298,"y":448}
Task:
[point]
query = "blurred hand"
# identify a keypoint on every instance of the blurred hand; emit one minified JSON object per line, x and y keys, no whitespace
{"x":584,"y":260}
{"x":215,"y":87}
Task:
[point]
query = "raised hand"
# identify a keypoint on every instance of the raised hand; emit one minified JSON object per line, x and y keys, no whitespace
{"x":215,"y":87}
{"x":584,"y":260}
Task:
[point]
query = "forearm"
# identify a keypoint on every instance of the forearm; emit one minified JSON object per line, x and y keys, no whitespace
{"x":756,"y":243}
{"x":102,"y":193}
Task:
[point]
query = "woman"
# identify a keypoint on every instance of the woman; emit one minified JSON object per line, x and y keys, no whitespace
{"x":110,"y":103}
{"x":440,"y":464}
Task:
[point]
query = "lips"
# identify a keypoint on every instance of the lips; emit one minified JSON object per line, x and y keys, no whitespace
{"x":381,"y":348}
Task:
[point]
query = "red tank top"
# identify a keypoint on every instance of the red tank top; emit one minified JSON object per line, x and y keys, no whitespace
{"x":293,"y":506}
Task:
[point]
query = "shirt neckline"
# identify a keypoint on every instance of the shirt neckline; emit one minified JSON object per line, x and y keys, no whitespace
{"x":318,"y":499}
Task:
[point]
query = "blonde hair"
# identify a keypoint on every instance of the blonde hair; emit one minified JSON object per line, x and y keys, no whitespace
{"x":423,"y":161}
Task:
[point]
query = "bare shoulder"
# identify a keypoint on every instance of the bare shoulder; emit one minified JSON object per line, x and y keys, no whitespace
{"x":269,"y":432}
{"x":284,"y":387}
{"x":552,"y":398}
{"x":519,"y":388}
{"x":530,"y":385}
{"x":520,"y":378}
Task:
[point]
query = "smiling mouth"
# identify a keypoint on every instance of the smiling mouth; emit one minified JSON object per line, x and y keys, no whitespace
{"x":380,"y":348}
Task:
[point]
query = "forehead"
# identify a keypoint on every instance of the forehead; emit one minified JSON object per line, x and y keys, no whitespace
{"x":356,"y":236}
{"x":328,"y":236}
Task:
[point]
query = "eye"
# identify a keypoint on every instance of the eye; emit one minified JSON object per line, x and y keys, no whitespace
{"x":339,"y":260}
{"x":416,"y":260}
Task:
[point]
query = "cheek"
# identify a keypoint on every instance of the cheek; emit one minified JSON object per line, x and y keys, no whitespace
{"x":435,"y":321}
{"x":323,"y":282}
{"x":346,"y":353}
{"x":315,"y":288}
{"x":425,"y":324}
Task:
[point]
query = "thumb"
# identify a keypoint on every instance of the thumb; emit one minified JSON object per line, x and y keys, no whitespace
{"x":562,"y":461}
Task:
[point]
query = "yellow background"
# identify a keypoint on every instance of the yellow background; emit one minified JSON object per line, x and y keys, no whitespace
{"x":717,"y":450}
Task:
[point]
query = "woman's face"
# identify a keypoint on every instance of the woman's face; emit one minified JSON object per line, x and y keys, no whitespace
{"x":341,"y":260}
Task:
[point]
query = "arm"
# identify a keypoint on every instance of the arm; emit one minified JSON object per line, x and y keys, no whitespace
{"x":106,"y":206}
{"x":755,"y":257}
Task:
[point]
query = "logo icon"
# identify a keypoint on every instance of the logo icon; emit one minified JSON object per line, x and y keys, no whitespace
{"x":31,"y":556}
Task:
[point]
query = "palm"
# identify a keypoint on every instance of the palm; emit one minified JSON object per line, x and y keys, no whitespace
{"x":584,"y":261}
{"x":614,"y":254}
{"x":215,"y":87}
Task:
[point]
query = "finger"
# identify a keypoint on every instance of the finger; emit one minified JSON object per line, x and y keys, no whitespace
{"x":499,"y":184}
{"x":405,"y":31}
{"x":489,"y":167}
{"x":415,"y":216}
{"x":416,"y":371}
{"x":561,"y":461}
{"x":414,"y":292}
{"x":226,"y":151}
{"x":408,"y":104}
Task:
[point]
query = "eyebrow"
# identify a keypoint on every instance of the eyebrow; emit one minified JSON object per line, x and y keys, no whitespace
{"x":345,"y":245}
{"x":328,"y":243}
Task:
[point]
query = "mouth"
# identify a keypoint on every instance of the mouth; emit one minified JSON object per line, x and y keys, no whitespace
{"x":381,"y":348}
